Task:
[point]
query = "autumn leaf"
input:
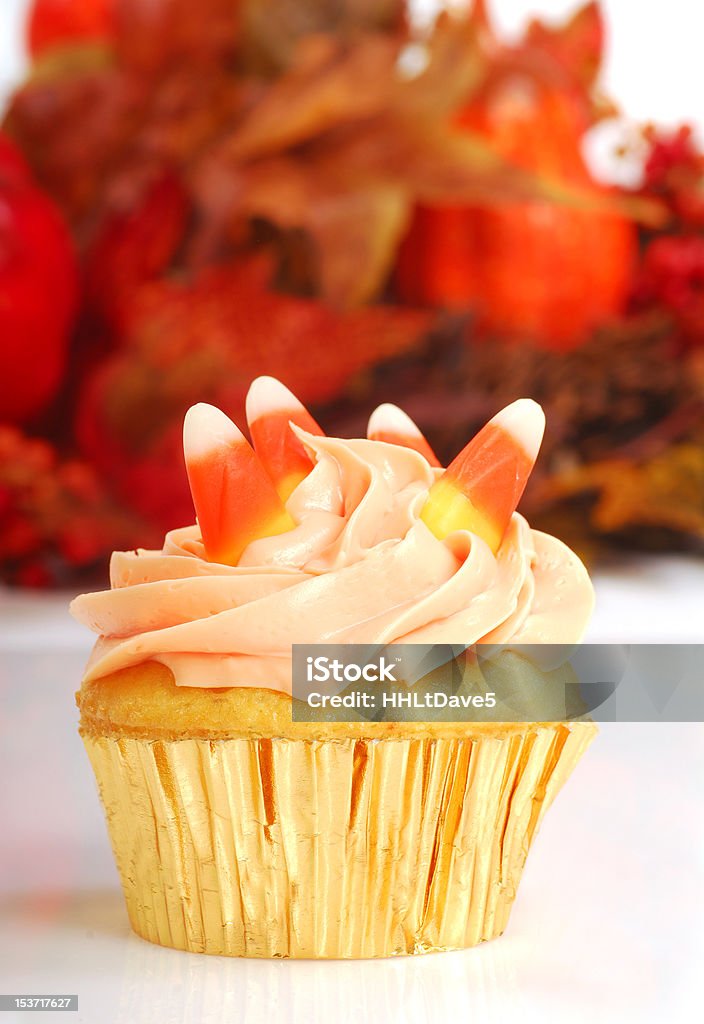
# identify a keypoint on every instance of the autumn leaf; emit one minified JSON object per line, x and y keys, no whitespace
{"x":333,"y":81}
{"x":97,"y":137}
{"x":271,"y":32}
{"x":329,"y":83}
{"x":154,"y":35}
{"x":205,"y":339}
{"x":344,"y":143}
{"x":137,"y":245}
{"x":454,"y":62}
{"x":664,"y":491}
{"x":576,"y":46}
{"x":566,"y":56}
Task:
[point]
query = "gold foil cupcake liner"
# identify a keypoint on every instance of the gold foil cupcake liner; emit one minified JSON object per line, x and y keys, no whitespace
{"x":327,"y":849}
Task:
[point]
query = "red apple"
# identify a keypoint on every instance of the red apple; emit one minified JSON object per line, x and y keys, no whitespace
{"x":38,"y":292}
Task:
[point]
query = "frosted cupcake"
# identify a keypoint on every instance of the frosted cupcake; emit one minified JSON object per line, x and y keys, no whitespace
{"x":239,"y":831}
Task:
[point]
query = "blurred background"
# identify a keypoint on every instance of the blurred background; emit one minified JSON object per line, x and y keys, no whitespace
{"x":373,"y":201}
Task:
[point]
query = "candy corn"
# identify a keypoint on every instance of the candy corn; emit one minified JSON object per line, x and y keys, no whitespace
{"x":391,"y":424}
{"x":234,"y":498}
{"x":270,"y":409}
{"x":480,"y":489}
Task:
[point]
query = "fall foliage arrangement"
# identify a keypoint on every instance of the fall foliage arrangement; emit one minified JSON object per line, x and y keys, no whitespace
{"x":194,"y":195}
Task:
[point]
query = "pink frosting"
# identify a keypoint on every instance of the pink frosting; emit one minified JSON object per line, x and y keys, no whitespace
{"x":360,"y":567}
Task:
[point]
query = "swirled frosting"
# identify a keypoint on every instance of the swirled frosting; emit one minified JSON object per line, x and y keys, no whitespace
{"x":359,"y":567}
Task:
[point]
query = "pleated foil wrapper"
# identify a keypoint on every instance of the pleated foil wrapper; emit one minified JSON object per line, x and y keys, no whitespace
{"x":327,"y":848}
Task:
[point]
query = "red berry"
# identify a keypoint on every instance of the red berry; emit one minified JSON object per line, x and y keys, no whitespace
{"x":20,"y":535}
{"x":34,"y":575}
{"x":82,"y":541}
{"x":673,"y":171}
{"x":668,"y":153}
{"x":56,"y":22}
{"x":12,"y":162}
{"x":672,"y":276}
{"x":38,"y":298}
{"x":136,"y":245}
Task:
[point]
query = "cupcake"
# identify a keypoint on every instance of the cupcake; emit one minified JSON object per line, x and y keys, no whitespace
{"x":238,"y":830}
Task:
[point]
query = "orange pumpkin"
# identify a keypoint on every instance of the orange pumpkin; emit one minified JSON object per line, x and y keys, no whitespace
{"x":535,"y":270}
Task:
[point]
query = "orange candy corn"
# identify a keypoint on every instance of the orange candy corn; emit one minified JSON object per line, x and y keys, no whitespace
{"x":391,"y":424}
{"x":480,"y":489}
{"x":271,"y":407}
{"x":234,"y":498}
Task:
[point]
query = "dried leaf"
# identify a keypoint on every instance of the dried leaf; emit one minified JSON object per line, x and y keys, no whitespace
{"x":329,"y":83}
{"x":665,"y":491}
{"x":136,"y":245}
{"x":74,"y":164}
{"x":576,"y":46}
{"x":72,"y":59}
{"x":344,"y":143}
{"x":156,"y":34}
{"x":294,"y":194}
{"x":271,"y":32}
{"x":454,"y":62}
{"x":205,"y":340}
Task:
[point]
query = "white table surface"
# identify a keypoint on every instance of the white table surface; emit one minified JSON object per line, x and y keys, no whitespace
{"x":607,"y":924}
